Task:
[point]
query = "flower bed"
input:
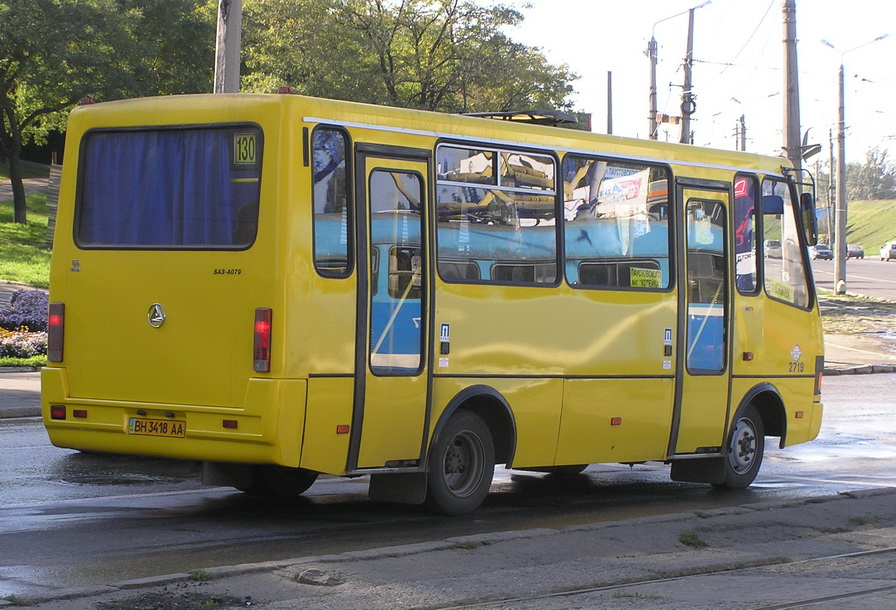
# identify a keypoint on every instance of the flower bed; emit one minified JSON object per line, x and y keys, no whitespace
{"x":23,"y":326}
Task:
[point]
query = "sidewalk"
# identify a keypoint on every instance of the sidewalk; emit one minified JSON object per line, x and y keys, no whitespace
{"x":32,"y":185}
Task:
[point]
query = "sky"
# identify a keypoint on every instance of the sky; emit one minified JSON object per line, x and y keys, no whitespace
{"x":737,"y":70}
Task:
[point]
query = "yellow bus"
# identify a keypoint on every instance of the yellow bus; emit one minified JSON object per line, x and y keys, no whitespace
{"x":281,"y":286}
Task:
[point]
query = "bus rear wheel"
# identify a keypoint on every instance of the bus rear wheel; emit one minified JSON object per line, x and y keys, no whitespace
{"x":462,"y":465}
{"x":279,"y":481}
{"x":746,"y":446}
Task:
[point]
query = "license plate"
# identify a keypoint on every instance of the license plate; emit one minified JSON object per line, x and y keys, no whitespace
{"x":168,"y":428}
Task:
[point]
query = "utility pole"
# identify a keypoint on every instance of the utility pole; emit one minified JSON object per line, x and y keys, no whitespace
{"x":227,"y":46}
{"x":791,"y":88}
{"x":687,"y":95}
{"x":840,"y":215}
{"x":839,"y":245}
{"x":687,"y":104}
{"x":609,"y":102}
{"x":742,"y":133}
{"x":831,"y":187}
{"x":651,"y":54}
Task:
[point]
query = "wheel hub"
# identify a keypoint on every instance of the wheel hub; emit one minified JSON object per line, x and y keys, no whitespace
{"x":743,"y":447}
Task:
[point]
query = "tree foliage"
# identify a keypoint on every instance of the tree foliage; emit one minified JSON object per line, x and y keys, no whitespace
{"x":53,"y":53}
{"x":443,"y":55}
{"x":874,"y":179}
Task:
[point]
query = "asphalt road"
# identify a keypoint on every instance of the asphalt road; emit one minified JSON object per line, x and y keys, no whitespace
{"x":868,"y":276}
{"x":70,"y":519}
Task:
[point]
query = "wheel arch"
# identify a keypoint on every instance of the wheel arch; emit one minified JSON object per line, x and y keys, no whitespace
{"x":495,"y":411}
{"x":768,"y":401}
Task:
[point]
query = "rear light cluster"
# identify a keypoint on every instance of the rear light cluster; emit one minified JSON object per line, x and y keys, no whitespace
{"x":60,"y":412}
{"x":56,"y":332}
{"x":262,"y":348}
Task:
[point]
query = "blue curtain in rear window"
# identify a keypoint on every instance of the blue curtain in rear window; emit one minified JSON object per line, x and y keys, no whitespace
{"x":168,"y":188}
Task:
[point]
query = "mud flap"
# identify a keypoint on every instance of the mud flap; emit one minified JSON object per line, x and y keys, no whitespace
{"x":218,"y":474}
{"x":404,"y":488}
{"x":701,"y":470}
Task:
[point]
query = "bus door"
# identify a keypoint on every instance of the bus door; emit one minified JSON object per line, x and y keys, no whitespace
{"x":702,"y":391}
{"x":391,"y":365}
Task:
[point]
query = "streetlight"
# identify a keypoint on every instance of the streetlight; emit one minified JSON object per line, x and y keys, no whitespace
{"x":651,"y":54}
{"x":840,"y":204}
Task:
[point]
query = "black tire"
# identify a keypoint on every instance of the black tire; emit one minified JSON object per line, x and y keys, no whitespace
{"x":279,"y":482}
{"x":746,"y":446}
{"x":461,"y":465}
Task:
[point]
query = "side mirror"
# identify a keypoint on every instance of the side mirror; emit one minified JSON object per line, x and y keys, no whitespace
{"x":810,"y":222}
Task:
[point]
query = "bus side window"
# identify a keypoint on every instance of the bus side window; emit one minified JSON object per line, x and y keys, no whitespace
{"x":616,"y":222}
{"x":745,"y":244}
{"x":784,"y":266}
{"x":330,"y":199}
{"x":496,"y":215}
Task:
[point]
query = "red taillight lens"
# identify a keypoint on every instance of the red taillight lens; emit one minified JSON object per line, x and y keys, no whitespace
{"x":262,"y":349}
{"x":55,"y":332}
{"x":57,"y":411}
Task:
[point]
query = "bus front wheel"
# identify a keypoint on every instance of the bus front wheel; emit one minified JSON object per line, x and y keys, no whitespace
{"x":746,"y":446}
{"x":462,"y":465}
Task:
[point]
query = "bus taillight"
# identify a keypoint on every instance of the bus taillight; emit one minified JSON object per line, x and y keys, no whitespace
{"x":55,"y":332}
{"x":262,"y":349}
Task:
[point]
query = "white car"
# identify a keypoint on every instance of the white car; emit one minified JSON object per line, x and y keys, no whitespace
{"x":772,"y":248}
{"x":888,"y":251}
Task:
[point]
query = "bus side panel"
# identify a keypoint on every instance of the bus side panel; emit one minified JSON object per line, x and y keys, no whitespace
{"x":615,"y":420}
{"x":535,"y":404}
{"x":329,"y":406}
{"x":802,"y":414}
{"x":321,"y":321}
{"x":782,"y":339}
{"x":749,"y":335}
{"x":393,"y":421}
{"x":505,"y":330}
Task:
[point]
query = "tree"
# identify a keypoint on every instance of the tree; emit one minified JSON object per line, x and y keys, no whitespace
{"x":53,"y":53}
{"x":443,"y":55}
{"x":875,"y":179}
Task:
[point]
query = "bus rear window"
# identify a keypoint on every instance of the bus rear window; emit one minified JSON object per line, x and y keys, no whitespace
{"x":170,"y":188}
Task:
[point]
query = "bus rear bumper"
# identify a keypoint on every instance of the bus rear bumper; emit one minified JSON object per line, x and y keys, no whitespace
{"x":266,"y":429}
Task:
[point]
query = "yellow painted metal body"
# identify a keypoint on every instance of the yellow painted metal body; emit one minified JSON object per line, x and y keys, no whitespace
{"x":584,"y":372}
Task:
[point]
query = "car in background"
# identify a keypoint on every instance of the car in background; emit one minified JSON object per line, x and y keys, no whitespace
{"x":888,"y":251}
{"x":854,"y":251}
{"x":821,"y":251}
{"x":772,"y":248}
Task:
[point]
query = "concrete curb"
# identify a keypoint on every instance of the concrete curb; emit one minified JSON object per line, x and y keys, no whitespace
{"x":866,"y":369}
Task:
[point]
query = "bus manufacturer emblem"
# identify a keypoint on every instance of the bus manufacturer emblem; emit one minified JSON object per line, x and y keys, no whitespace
{"x":156,"y":315}
{"x":796,"y":353}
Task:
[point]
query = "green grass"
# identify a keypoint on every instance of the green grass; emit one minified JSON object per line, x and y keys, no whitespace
{"x":871,"y":224}
{"x":692,"y":540}
{"x":200,"y":575}
{"x":23,"y":257}
{"x":29,"y":170}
